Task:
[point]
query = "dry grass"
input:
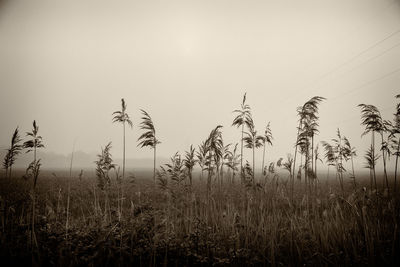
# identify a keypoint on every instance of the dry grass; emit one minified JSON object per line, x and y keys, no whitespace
{"x":179,"y":226}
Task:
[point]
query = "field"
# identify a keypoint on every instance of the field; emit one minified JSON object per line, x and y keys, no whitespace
{"x":200,"y":133}
{"x":210,"y":206}
{"x":134,"y":222}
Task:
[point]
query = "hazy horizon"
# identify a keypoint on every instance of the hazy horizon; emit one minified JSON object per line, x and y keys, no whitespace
{"x":68,"y":64}
{"x":85,"y":161}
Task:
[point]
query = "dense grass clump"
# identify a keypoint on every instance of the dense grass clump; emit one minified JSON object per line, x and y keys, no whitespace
{"x":182,"y":225}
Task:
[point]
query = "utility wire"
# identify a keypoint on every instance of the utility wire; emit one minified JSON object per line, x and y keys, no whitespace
{"x":357,"y":117}
{"x":302,"y":92}
{"x":386,"y":75}
{"x":366,"y":84}
{"x":363,"y":63}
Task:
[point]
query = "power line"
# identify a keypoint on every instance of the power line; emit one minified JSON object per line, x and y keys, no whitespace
{"x":377,"y":56}
{"x":366,"y":84}
{"x":365,"y":62}
{"x":362,"y":85}
{"x":359,"y":65}
{"x":362,"y":52}
{"x":348,"y":61}
{"x":352,"y":118}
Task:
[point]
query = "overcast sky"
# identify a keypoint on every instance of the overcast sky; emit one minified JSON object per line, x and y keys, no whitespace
{"x":67,"y":64}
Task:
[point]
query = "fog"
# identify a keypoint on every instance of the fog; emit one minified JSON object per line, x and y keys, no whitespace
{"x":67,"y":64}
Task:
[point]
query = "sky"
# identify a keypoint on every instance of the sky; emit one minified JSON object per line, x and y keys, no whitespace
{"x":67,"y":64}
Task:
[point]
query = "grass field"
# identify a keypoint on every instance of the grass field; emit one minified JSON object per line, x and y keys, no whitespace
{"x":136,"y":223}
{"x":218,"y":213}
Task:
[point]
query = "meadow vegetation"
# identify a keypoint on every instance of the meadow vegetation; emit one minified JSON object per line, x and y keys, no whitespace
{"x":223,"y":214}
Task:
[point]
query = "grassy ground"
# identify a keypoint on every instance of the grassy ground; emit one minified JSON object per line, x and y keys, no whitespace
{"x":135,"y":223}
